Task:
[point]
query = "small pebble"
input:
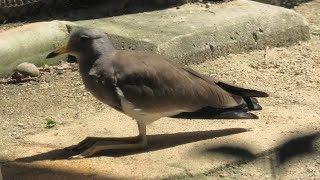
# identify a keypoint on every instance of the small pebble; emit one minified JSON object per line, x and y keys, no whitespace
{"x":208,"y":5}
{"x":59,"y":72}
{"x":20,"y":124}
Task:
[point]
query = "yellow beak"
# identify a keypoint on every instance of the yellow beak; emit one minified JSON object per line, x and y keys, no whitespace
{"x":57,"y":52}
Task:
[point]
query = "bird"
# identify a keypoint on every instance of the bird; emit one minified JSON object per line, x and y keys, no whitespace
{"x":146,"y":86}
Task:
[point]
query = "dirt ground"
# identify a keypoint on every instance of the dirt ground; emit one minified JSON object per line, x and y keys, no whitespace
{"x":291,"y":75}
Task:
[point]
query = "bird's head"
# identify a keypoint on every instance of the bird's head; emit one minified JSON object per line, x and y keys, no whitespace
{"x":85,"y":43}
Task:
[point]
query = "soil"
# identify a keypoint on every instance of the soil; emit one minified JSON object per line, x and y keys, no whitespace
{"x":291,"y":75}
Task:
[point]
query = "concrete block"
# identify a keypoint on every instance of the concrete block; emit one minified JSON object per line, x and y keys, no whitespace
{"x":194,"y":33}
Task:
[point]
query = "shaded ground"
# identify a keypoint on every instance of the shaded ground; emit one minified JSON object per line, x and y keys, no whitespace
{"x":291,"y":76}
{"x":80,"y":10}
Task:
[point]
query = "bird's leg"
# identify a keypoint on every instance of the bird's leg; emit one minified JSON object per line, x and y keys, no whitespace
{"x":93,"y":145}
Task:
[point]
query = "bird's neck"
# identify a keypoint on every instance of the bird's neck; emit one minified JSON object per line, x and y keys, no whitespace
{"x":102,"y":49}
{"x":87,"y":61}
{"x":84,"y":66}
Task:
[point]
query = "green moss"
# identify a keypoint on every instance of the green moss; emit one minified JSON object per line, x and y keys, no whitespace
{"x":50,"y":123}
{"x":315,"y":30}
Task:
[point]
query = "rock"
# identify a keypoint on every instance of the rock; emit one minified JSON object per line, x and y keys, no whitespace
{"x":208,"y":4}
{"x":17,"y":75}
{"x":20,"y":124}
{"x":28,"y":69}
{"x":20,"y":45}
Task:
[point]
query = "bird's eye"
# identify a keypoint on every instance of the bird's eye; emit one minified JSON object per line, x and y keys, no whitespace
{"x":84,"y":39}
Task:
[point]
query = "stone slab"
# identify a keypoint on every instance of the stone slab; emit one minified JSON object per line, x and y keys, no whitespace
{"x":193,"y":33}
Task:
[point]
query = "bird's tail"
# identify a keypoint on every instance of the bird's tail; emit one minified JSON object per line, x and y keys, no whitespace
{"x":249,"y":103}
{"x":240,"y":91}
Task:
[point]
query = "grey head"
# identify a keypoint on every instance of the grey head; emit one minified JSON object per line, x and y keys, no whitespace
{"x":86,"y":45}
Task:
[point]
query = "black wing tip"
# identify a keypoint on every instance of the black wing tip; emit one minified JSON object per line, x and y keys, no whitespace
{"x":255,"y":93}
{"x":263,"y":94}
{"x":240,"y":91}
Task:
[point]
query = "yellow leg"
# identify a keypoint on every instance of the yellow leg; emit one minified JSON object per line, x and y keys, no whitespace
{"x":93,"y":145}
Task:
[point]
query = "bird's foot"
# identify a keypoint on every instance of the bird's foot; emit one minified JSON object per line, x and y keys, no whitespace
{"x":90,"y":141}
{"x":92,"y":145}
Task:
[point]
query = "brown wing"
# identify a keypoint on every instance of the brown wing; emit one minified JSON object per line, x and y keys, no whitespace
{"x":237,"y":90}
{"x":153,"y":84}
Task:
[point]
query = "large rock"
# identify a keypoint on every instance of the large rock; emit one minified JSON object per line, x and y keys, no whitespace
{"x":30,"y":43}
{"x":193,"y":33}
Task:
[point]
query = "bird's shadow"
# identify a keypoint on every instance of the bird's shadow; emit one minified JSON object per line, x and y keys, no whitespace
{"x":231,"y":150}
{"x":298,"y":146}
{"x":155,"y":142}
{"x":291,"y":148}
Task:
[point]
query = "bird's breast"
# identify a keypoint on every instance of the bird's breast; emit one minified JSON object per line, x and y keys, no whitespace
{"x":102,"y":89}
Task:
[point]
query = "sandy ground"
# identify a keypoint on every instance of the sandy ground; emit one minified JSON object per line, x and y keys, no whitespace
{"x":291,"y":75}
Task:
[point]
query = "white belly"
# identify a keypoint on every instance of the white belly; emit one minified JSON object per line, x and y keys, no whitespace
{"x":139,"y":114}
